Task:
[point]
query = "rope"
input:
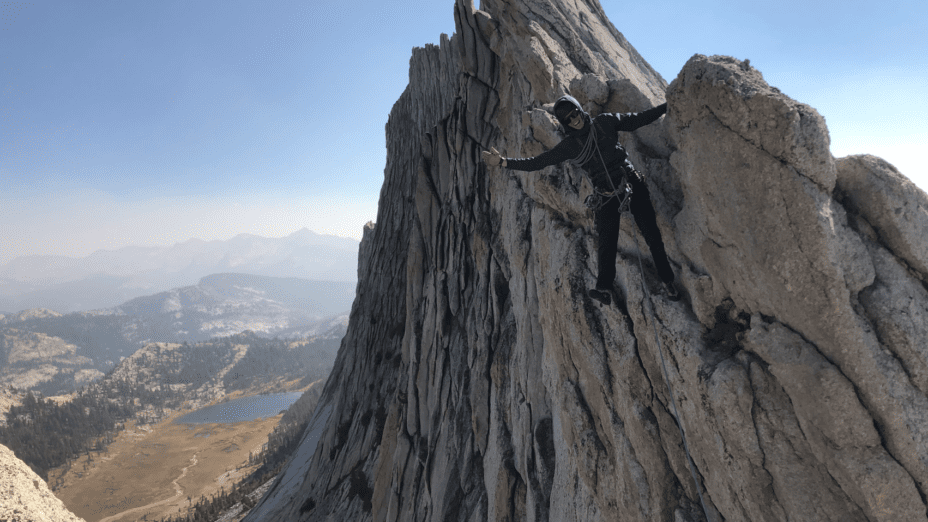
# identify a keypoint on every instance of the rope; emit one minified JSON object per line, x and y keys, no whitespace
{"x":624,"y":206}
{"x":624,"y":203}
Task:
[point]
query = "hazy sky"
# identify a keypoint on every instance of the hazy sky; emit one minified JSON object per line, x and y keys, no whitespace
{"x":151,"y":122}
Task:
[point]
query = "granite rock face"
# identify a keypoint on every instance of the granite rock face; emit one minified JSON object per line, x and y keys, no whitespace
{"x":477,"y":381}
{"x":25,"y":496}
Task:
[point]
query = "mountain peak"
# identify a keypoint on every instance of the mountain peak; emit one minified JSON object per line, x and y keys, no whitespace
{"x":304,"y":232}
{"x":478,"y":379}
{"x":35,"y":313}
{"x":306,"y":236}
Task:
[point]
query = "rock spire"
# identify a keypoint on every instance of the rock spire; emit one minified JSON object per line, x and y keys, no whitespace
{"x":477,"y":381}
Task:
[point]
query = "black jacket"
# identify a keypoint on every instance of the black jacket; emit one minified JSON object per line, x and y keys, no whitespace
{"x":608,"y":126}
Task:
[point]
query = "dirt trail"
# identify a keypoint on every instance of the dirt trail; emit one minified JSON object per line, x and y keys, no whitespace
{"x":179,"y":493}
{"x":143,"y":468}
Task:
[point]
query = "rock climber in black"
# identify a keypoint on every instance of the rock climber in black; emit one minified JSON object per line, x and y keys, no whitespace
{"x":593,"y":144}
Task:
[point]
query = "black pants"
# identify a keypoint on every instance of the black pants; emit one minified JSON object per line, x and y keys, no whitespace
{"x":607,"y":220}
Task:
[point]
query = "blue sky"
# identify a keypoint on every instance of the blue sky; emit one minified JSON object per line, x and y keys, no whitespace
{"x":149,"y":123}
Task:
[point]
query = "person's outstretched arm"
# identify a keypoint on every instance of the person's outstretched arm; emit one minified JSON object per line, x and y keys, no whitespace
{"x":563,"y":151}
{"x":632,"y":121}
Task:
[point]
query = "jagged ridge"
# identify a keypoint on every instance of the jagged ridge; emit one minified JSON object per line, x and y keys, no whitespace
{"x":478,"y":382}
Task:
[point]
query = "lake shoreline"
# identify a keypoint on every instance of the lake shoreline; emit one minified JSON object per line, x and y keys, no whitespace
{"x":242,"y":409}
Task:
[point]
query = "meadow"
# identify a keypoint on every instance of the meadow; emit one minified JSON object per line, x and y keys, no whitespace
{"x":154,"y":471}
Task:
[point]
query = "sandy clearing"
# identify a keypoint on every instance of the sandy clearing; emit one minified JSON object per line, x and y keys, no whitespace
{"x":153,"y":473}
{"x":179,"y":492}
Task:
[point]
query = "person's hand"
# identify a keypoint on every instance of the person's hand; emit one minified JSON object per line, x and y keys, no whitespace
{"x":492,"y":157}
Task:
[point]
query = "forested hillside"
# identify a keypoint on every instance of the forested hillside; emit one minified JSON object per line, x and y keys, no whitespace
{"x":45,"y":434}
{"x":51,"y":353}
{"x":155,"y":381}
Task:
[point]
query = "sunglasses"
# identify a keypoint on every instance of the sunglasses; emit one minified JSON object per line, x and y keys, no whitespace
{"x":572,"y":114}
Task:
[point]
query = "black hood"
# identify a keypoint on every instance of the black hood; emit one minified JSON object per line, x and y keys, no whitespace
{"x":564,"y":100}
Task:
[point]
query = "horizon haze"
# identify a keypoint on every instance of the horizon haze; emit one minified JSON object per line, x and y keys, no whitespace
{"x":150,"y":124}
{"x":108,"y":278}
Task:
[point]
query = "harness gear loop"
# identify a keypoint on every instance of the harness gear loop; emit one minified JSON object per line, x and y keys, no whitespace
{"x":625,"y":206}
{"x":598,"y":199}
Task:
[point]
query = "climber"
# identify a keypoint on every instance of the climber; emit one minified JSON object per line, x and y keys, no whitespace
{"x":593,"y":144}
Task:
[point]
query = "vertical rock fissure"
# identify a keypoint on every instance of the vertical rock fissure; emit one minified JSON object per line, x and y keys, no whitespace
{"x":760,"y":445}
{"x":872,"y":322}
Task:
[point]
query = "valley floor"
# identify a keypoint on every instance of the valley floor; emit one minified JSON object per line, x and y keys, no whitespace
{"x":150,"y":472}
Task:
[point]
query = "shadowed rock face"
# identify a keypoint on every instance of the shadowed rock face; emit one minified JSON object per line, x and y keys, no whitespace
{"x":478,"y":382}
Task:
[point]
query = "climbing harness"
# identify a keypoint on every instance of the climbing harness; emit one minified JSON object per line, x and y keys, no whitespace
{"x":598,"y":199}
{"x":623,"y":207}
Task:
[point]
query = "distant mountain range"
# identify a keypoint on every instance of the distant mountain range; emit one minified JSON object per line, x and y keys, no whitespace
{"x":54,"y":353}
{"x":226,"y":304}
{"x":107,"y":278}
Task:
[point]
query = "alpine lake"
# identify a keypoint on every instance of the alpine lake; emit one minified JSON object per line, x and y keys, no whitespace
{"x":242,"y":409}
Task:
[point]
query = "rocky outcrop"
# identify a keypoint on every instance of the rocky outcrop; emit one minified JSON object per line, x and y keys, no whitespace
{"x":477,"y":381}
{"x":45,"y":363}
{"x":9,"y":397}
{"x":25,"y":496}
{"x":25,"y":315}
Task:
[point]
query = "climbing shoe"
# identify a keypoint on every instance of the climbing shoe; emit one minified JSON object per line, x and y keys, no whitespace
{"x":671,"y":292}
{"x":601,"y":294}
